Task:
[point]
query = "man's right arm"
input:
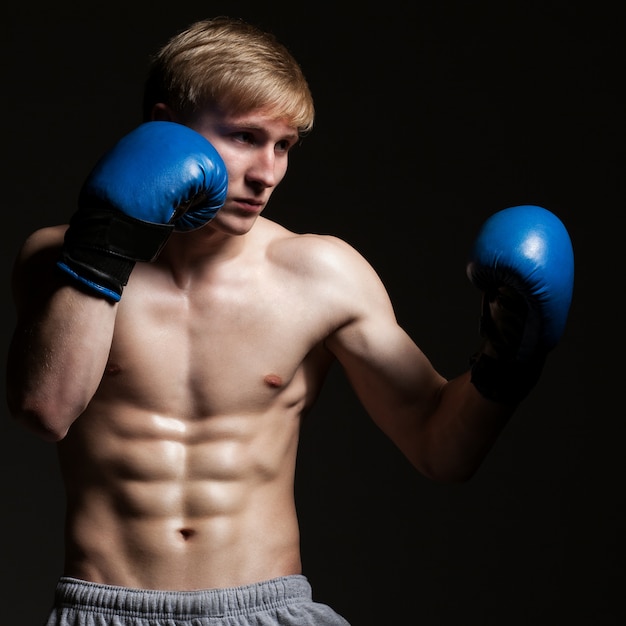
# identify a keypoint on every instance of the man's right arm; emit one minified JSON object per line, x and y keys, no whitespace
{"x":159,"y":178}
{"x":61,"y":340}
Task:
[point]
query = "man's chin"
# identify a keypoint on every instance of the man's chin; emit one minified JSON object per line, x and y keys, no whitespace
{"x":235,"y":225}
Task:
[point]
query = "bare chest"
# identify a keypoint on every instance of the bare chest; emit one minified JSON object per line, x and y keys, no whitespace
{"x":230,"y":347}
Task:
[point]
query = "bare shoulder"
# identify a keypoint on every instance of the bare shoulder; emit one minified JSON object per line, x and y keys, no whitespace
{"x":311,"y":254}
{"x":42,"y":241}
{"x":36,"y":259}
{"x":327,"y":267}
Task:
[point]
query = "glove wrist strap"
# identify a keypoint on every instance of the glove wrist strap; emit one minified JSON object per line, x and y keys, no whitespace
{"x":505,"y":381}
{"x":101,"y":248}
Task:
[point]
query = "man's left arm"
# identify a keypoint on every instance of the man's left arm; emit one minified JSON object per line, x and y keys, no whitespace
{"x":522,"y":261}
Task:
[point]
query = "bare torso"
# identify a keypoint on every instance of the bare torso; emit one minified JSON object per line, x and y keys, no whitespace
{"x":180,"y":473}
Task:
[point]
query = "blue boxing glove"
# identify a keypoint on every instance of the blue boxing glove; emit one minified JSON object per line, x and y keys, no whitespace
{"x":160,"y":178}
{"x":523,"y":262}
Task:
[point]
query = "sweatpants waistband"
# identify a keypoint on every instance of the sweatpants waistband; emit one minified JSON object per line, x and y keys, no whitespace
{"x":183,"y":604}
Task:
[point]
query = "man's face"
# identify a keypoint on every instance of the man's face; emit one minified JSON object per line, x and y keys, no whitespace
{"x":255,"y":148}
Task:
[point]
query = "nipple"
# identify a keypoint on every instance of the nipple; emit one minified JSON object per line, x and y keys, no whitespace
{"x":112,"y":369}
{"x":273,"y":380}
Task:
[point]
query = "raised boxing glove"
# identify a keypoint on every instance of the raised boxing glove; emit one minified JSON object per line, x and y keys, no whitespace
{"x":160,"y":178}
{"x":523,"y":262}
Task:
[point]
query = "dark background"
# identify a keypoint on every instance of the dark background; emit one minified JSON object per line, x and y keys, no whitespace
{"x":430,"y":117}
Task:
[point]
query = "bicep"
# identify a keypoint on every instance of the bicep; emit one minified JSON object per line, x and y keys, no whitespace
{"x":392,"y":377}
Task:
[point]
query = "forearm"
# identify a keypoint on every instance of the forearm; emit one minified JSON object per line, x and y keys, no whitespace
{"x":461,"y":431}
{"x":56,"y":360}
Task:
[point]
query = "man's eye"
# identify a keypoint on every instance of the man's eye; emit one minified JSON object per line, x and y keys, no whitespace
{"x":244,"y":137}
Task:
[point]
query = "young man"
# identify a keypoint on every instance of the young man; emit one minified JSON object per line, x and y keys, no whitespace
{"x":172,"y":339}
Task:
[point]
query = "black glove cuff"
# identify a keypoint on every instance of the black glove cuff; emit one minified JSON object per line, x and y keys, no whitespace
{"x":115,"y":233}
{"x":102,"y":246}
{"x":506,"y":382}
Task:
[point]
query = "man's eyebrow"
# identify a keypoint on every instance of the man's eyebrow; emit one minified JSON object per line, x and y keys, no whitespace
{"x":253,"y":126}
{"x":292,"y":137}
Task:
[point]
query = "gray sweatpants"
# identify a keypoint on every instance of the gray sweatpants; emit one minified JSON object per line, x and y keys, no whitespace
{"x":282,"y":601}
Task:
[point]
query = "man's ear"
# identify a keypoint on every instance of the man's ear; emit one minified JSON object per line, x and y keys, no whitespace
{"x":161,"y":112}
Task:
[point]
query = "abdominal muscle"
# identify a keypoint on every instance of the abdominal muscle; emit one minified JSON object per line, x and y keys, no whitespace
{"x":162,"y":502}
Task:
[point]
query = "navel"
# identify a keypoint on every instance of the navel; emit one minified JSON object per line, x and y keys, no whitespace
{"x":273,"y":380}
{"x":187,"y":533}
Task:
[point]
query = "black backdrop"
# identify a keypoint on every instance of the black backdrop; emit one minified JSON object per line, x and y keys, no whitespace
{"x":431,"y":116}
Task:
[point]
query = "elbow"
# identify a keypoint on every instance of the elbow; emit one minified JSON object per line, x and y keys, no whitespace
{"x":447,"y":474}
{"x":42,"y":419}
{"x":46,"y":429}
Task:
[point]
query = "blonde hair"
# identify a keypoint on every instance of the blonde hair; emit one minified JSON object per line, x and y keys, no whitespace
{"x":227,"y":63}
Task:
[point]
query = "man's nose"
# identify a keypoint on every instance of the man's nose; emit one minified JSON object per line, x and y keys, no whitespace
{"x":263,"y":170}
